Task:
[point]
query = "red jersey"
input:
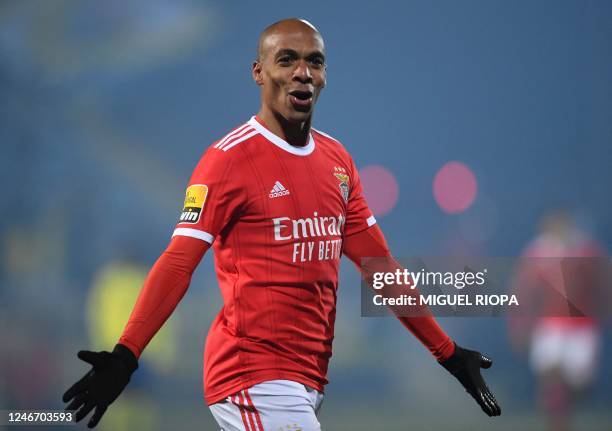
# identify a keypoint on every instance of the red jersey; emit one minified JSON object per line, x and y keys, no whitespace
{"x":276,"y":216}
{"x":539,"y":274}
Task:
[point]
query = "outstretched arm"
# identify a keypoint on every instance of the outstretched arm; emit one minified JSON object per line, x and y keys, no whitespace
{"x":462,"y":363}
{"x":371,"y":243}
{"x":164,"y":287}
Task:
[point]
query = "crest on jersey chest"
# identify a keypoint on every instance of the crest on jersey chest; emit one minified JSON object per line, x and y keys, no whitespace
{"x":343,"y":178}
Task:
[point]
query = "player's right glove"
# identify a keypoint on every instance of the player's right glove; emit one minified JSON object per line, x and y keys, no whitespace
{"x":102,"y":385}
{"x":465,"y":365}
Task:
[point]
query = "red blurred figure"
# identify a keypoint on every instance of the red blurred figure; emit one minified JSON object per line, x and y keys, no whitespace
{"x":559,"y":281}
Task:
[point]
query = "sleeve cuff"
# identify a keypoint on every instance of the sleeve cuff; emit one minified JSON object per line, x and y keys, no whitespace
{"x":194,"y":233}
{"x":129,"y":359}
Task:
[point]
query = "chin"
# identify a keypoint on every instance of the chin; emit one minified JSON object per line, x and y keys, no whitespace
{"x":298,"y":116}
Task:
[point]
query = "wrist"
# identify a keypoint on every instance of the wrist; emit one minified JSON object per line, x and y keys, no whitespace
{"x":454,"y":362}
{"x":127,"y":357}
{"x":447,"y":350}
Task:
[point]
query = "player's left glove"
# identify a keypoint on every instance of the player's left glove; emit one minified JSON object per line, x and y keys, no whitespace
{"x":110,"y":374}
{"x":465,"y":365}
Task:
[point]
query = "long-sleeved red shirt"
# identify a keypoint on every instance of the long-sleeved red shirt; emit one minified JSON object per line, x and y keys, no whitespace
{"x":279,"y":218}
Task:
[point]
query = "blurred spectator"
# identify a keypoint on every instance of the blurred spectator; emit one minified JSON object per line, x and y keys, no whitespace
{"x":559,"y":282}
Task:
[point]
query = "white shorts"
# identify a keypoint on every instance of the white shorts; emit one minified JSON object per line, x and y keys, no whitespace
{"x":270,"y":406}
{"x":571,"y":350}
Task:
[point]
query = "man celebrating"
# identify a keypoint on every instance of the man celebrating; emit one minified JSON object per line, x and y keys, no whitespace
{"x":279,"y":202}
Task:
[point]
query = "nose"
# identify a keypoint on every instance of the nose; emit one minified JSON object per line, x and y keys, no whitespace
{"x":302,"y":72}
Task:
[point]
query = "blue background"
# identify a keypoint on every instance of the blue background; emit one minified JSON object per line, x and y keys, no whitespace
{"x":107,"y":106}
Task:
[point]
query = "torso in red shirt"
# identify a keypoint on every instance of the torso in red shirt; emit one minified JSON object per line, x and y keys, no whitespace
{"x":276,"y":216}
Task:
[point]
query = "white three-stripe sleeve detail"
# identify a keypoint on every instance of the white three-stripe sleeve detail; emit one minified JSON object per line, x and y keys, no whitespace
{"x":231,"y":134}
{"x":237,"y":141}
{"x":371,"y":221}
{"x":236,"y":136}
{"x":194,"y":233}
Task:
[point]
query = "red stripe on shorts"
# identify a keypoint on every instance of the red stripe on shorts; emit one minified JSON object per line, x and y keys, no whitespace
{"x":249,"y":413}
{"x":238,"y":402}
{"x":250,"y":402}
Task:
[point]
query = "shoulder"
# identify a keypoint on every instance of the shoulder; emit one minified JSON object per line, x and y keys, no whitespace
{"x":330,"y":142}
{"x":243,"y":134}
{"x":224,"y":155}
{"x":326,"y":137}
{"x":226,"y":149}
{"x":334,"y":146}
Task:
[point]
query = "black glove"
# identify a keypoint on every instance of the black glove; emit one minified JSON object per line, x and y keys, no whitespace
{"x":465,"y":365}
{"x":111,"y":372}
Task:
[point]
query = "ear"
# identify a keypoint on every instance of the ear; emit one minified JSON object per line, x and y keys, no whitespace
{"x":257,"y":73}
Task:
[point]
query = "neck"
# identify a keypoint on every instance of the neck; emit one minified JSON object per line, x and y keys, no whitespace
{"x":295,"y":133}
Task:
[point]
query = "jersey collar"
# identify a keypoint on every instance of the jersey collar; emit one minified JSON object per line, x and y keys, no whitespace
{"x":281,"y":143}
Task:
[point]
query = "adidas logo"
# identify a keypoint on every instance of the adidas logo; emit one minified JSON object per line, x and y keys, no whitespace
{"x":278,"y":190}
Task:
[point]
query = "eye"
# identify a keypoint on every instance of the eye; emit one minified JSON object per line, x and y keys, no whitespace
{"x":317,"y":62}
{"x":285,"y":60}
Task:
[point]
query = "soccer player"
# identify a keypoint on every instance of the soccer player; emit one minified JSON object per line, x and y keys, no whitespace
{"x":279,"y":202}
{"x":562,"y":279}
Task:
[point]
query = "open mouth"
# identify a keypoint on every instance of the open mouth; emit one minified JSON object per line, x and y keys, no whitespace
{"x":301,"y":100}
{"x":301,"y":95}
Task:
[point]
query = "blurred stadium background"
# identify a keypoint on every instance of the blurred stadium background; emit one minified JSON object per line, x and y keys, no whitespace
{"x":106,"y":107}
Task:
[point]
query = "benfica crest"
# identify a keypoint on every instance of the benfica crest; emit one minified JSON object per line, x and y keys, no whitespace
{"x":344,"y":187}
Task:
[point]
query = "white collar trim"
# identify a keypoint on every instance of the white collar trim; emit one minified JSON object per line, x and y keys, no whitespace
{"x":281,"y":143}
